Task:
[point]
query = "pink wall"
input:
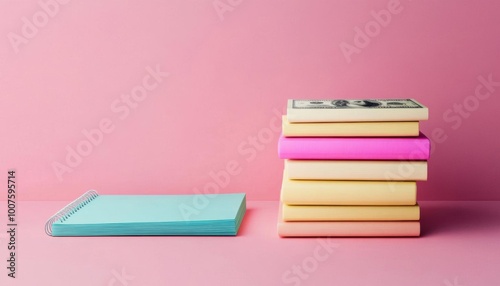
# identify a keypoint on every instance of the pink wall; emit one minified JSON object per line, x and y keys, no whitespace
{"x":231,"y":66}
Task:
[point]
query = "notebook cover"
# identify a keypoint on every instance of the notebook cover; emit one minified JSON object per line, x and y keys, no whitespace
{"x":152,"y":215}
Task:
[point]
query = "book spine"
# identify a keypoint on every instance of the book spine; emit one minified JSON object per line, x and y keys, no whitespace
{"x":356,"y":170}
{"x":70,"y":209}
{"x":349,"y":229}
{"x":350,"y":129}
{"x":354,"y":148}
{"x":303,"y":192}
{"x":346,"y":115}
{"x":351,"y":213}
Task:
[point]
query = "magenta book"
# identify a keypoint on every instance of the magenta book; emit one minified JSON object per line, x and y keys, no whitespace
{"x":347,"y":148}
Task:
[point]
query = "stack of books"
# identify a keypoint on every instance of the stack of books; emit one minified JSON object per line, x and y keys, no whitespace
{"x":351,"y":167}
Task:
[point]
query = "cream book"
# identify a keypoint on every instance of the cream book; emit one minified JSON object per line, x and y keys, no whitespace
{"x":349,"y":228}
{"x":350,"y":129}
{"x":303,"y":192}
{"x":350,"y":213}
{"x":355,"y":110}
{"x":346,"y":170}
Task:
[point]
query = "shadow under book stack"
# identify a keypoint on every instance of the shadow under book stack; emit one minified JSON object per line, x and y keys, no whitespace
{"x":351,"y":167}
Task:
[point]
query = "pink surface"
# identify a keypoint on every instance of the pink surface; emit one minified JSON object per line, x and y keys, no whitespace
{"x":371,"y":148}
{"x":459,"y":246}
{"x":232,"y":65}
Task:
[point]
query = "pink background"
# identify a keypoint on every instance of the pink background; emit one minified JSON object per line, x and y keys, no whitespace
{"x":228,"y":80}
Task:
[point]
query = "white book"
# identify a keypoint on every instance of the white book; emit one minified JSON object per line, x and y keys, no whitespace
{"x":356,"y":170}
{"x":356,"y":110}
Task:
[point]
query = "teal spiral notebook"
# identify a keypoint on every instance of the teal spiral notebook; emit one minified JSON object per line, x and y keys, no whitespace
{"x":118,"y":215}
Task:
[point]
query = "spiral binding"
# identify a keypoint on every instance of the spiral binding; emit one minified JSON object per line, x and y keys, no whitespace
{"x":70,"y":209}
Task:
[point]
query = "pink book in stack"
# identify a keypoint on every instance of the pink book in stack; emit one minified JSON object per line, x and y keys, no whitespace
{"x":354,"y":148}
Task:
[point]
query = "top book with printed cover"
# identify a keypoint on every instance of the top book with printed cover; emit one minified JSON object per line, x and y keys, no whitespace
{"x":355,"y":110}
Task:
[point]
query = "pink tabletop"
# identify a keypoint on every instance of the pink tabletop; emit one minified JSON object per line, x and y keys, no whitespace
{"x":459,"y":246}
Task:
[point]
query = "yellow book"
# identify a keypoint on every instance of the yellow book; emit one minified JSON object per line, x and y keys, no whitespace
{"x":350,"y":213}
{"x":350,"y":129}
{"x":354,"y":170}
{"x":346,"y":228}
{"x":303,"y":192}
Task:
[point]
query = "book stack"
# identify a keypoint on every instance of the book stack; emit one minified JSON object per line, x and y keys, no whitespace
{"x":351,"y":167}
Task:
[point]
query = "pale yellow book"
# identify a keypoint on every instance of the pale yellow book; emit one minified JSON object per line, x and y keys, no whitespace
{"x":346,"y":228}
{"x":347,"y":170}
{"x":350,"y":213}
{"x":305,"y":192}
{"x":350,"y":129}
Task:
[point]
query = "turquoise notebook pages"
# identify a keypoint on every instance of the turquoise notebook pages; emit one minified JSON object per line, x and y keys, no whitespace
{"x":117,"y":215}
